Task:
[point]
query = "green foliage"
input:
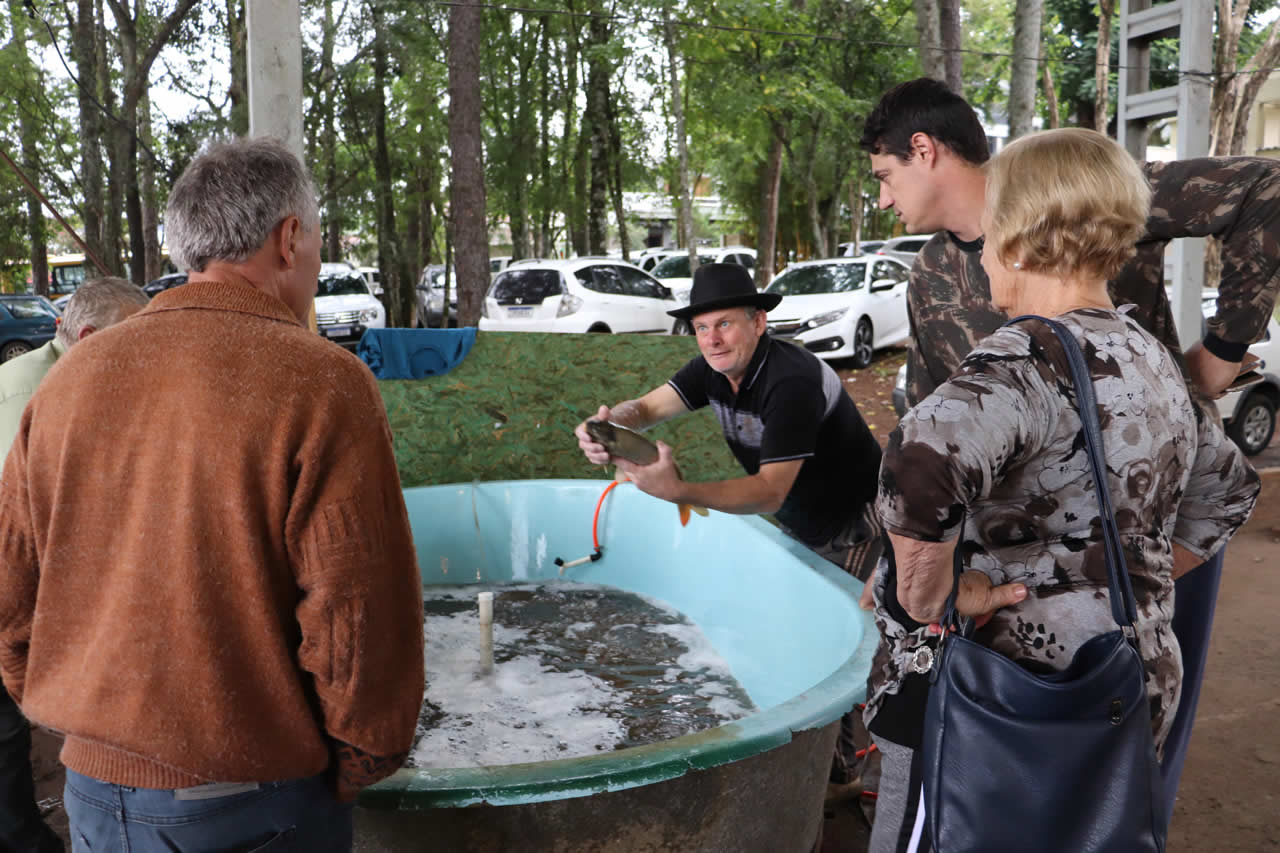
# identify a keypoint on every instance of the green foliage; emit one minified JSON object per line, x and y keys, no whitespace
{"x":487,"y":420}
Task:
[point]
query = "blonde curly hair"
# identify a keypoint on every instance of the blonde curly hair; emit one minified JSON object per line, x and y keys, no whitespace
{"x":1067,"y":202}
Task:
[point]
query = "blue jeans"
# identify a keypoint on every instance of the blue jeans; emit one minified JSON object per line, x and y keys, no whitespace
{"x":1195,"y":597}
{"x":296,"y":815}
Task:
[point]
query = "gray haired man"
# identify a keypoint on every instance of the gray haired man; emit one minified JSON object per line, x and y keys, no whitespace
{"x":224,"y":614}
{"x":98,"y":303}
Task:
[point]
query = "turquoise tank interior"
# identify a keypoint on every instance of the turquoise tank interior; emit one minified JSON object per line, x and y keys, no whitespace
{"x":786,"y":621}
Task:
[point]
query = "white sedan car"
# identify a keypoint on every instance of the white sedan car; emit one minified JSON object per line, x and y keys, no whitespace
{"x":842,"y":307}
{"x":577,"y":295}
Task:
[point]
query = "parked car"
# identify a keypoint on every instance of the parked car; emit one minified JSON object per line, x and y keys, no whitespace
{"x":842,"y":307}
{"x":374,"y":277}
{"x":577,"y":295}
{"x":431,"y":296}
{"x":1249,"y":415}
{"x":498,"y":264}
{"x":904,"y":248}
{"x":163,"y":283}
{"x":345,"y":305}
{"x":900,"y":391}
{"x":865,"y":247}
{"x":674,"y":271}
{"x":650,"y":258}
{"x":27,"y":321}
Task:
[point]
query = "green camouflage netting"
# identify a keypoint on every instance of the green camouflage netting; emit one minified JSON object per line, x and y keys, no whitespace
{"x":507,"y":412}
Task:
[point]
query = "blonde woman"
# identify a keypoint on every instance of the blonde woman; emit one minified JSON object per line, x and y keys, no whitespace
{"x":993,"y":462}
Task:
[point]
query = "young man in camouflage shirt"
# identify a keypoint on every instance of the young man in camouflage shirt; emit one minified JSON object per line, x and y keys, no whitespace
{"x":927,"y":148}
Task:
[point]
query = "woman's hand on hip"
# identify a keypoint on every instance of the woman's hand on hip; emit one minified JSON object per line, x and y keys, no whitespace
{"x":978,"y":600}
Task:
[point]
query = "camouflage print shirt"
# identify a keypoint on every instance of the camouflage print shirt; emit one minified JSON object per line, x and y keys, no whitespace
{"x":996,"y":456}
{"x":1236,"y":199}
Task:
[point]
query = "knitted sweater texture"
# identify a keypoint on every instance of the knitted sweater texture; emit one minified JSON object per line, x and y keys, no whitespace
{"x":206,"y":568}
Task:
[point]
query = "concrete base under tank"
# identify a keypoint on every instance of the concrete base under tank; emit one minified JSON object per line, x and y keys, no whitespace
{"x":768,"y":803}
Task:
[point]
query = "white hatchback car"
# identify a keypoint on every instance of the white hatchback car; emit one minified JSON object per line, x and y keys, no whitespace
{"x":577,"y":295}
{"x":674,"y":271}
{"x":842,"y":307}
{"x":346,"y":306}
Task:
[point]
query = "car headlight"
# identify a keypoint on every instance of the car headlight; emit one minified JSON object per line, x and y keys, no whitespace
{"x":681,"y":296}
{"x":568,"y":304}
{"x":368,"y":314}
{"x":823,"y":319}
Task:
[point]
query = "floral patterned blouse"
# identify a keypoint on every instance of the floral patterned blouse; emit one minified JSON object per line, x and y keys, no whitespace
{"x":998,"y":451}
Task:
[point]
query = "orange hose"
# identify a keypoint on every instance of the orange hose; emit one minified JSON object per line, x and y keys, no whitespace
{"x":595,"y":519}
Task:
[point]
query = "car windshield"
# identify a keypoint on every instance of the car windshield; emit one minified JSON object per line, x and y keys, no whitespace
{"x":677,"y":266}
{"x":529,"y":286}
{"x":30,"y":309}
{"x":342,"y":284}
{"x":829,"y":278}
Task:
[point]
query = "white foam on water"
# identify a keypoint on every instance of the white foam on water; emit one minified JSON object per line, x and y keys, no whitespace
{"x":520,"y":542}
{"x":702,"y":656}
{"x":520,"y":713}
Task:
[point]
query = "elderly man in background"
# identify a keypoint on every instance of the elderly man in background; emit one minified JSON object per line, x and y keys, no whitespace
{"x":207,"y":577}
{"x":97,"y":304}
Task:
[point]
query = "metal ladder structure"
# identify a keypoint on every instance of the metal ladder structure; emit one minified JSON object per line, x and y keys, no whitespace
{"x":1191,"y":22}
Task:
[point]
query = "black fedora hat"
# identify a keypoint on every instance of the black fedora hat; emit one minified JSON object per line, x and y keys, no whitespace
{"x":717,"y":286}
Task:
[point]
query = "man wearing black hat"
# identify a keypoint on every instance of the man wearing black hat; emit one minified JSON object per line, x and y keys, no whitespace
{"x":809,"y":457}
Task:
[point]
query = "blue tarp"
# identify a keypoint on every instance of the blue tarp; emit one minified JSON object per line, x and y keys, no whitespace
{"x":414,"y":353}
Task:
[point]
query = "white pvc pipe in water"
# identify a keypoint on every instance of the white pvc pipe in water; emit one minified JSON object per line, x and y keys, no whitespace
{"x":485,"y":601}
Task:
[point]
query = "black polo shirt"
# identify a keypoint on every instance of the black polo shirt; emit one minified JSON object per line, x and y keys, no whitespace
{"x":792,"y":405}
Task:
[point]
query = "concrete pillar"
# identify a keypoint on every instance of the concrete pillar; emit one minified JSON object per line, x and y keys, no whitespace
{"x":1195,"y":53}
{"x":1191,"y":22}
{"x":274,"y":57}
{"x":275,"y":70}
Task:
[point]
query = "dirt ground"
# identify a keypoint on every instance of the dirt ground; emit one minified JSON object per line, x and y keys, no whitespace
{"x":1229,"y":800}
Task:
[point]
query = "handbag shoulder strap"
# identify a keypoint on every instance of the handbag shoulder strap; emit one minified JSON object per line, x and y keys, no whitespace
{"x":1123,"y":607}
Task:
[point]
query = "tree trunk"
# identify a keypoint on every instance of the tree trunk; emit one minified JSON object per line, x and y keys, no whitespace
{"x":154,"y":264}
{"x":596,"y":124}
{"x":855,"y":206}
{"x":770,"y":183}
{"x":615,"y":161}
{"x":1266,"y":57}
{"x":30,"y":135}
{"x":1025,"y":68}
{"x":396,"y":283}
{"x":329,"y":144}
{"x":811,"y":193}
{"x":933,"y":62}
{"x":84,"y":49}
{"x":684,"y":198}
{"x":573,"y":153}
{"x":1227,"y":86}
{"x":1051,"y":99}
{"x":237,"y":38}
{"x":466,"y":183}
{"x":1102,"y":67}
{"x":543,"y":246}
{"x":950,"y":36}
{"x":111,"y":232}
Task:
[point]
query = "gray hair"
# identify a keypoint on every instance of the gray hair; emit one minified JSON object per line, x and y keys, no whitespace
{"x":99,"y":303}
{"x":227,"y":201}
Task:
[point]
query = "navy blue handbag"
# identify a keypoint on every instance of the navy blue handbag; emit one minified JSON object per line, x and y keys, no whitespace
{"x":1065,"y":762}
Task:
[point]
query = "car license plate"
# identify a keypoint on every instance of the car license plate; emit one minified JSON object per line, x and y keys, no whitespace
{"x":337,"y":331}
{"x":520,"y":311}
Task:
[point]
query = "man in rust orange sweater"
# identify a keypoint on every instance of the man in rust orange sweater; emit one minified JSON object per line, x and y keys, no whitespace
{"x":207,"y":578}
